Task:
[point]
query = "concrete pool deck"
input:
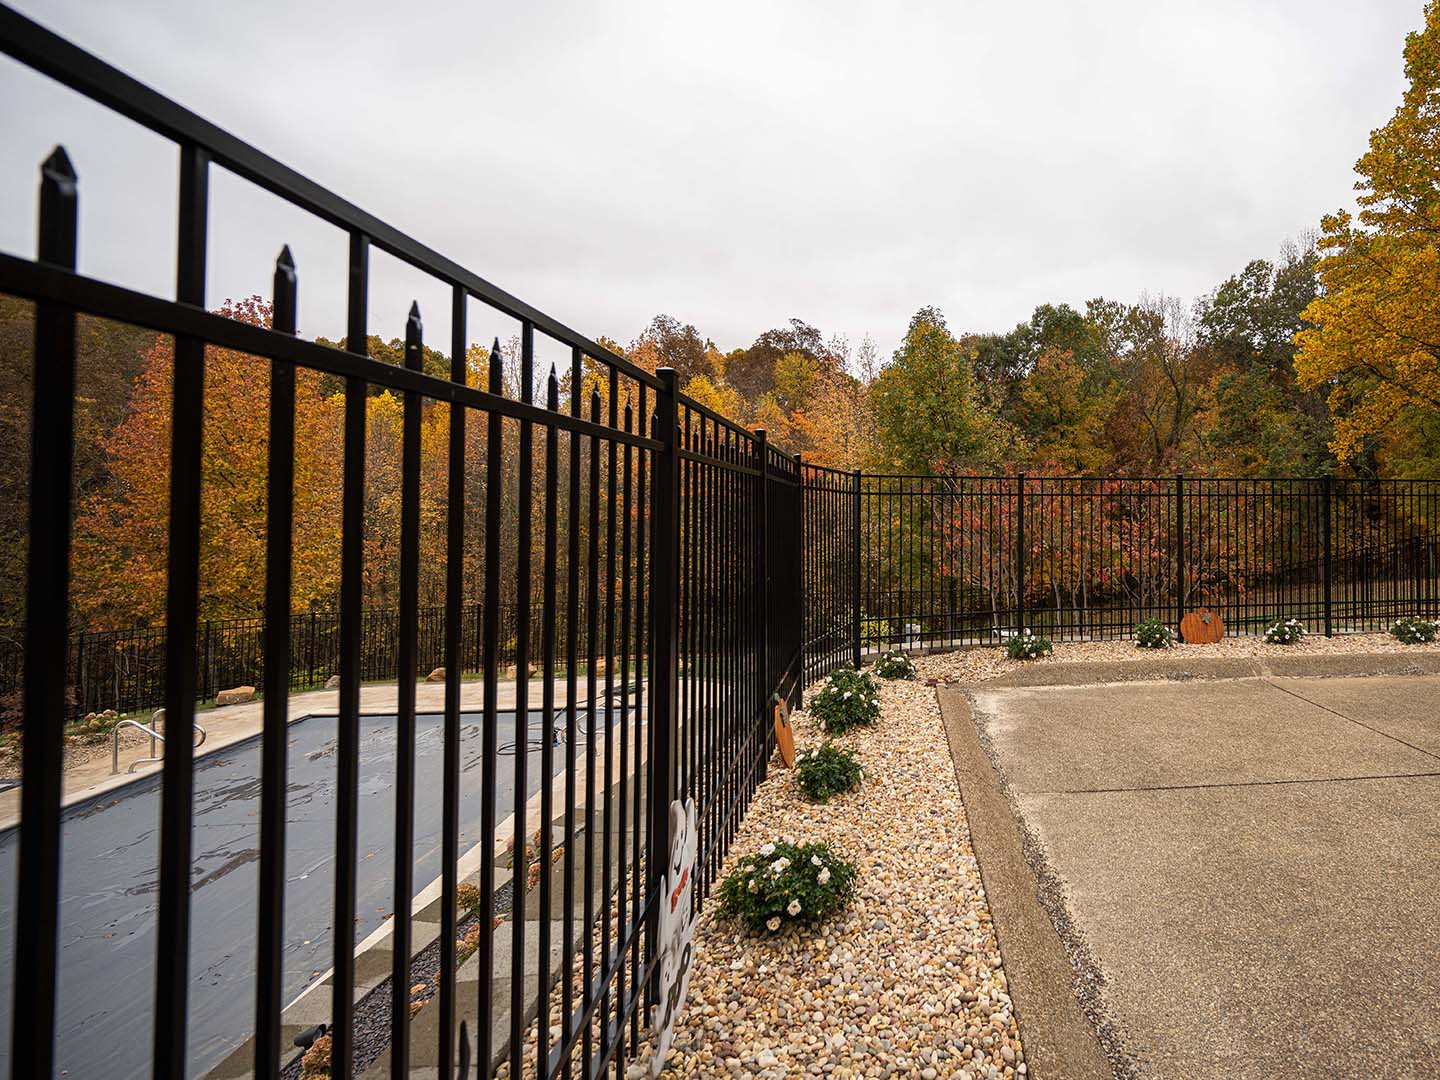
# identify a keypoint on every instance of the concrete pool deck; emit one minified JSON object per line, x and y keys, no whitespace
{"x":87,"y":773}
{"x":1243,"y":872}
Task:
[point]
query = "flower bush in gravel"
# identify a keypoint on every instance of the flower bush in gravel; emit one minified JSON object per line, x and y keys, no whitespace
{"x":785,"y":883}
{"x":1413,"y":631}
{"x":1153,"y":634}
{"x":849,"y":699}
{"x":1027,"y":646}
{"x":827,"y":770}
{"x":1285,"y":632}
{"x":895,"y":665}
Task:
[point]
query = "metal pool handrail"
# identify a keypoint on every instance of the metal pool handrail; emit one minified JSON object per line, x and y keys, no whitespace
{"x":150,"y":730}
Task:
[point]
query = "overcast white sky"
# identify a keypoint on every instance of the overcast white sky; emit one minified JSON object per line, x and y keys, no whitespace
{"x":732,"y":164}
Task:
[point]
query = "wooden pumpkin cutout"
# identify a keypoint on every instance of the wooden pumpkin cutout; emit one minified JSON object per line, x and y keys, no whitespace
{"x":1202,"y":627}
{"x":784,"y":736}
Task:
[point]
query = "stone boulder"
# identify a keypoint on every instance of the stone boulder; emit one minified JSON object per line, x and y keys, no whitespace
{"x":438,"y":675}
{"x":332,"y":683}
{"x":238,"y":695}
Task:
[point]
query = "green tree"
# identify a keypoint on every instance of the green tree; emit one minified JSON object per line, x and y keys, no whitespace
{"x":928,"y":408}
{"x":1263,"y":423}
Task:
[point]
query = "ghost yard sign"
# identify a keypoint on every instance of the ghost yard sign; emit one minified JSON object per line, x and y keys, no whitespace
{"x":677,"y":931}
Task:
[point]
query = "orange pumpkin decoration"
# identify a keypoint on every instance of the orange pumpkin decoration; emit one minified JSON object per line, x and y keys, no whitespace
{"x":784,"y":737}
{"x":1202,"y":627}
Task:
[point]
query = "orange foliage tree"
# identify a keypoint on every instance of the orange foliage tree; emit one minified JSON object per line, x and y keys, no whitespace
{"x":121,"y":530}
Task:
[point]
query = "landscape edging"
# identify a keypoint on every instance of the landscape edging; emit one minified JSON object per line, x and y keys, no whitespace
{"x":1172,"y":668}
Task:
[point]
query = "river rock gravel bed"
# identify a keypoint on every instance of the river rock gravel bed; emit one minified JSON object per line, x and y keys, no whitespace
{"x":908,"y":981}
{"x":977,"y":664}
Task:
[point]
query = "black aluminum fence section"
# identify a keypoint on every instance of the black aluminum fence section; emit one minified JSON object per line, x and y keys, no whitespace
{"x":784,"y":584}
{"x":125,"y":669}
{"x":950,"y":561}
{"x":631,"y":524}
{"x":831,"y":529}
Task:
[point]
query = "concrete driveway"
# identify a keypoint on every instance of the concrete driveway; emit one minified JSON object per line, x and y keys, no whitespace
{"x":1247,"y":871}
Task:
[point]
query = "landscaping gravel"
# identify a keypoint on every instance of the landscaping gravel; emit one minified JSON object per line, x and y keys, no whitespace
{"x":908,"y":981}
{"x":987,"y":662}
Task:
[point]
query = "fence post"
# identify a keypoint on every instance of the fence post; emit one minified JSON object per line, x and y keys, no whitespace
{"x":664,"y":673}
{"x":762,"y":575}
{"x":1179,"y":549}
{"x":205,"y":691}
{"x":855,"y":532}
{"x":800,"y":578}
{"x":82,"y":683}
{"x":1020,"y":553}
{"x":762,"y":557}
{"x":1325,"y":550}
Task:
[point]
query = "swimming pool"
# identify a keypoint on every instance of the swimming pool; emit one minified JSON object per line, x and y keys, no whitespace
{"x":109,"y":870}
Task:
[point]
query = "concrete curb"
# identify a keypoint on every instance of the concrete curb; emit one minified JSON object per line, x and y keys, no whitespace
{"x":1172,"y":668}
{"x":1059,"y":1042}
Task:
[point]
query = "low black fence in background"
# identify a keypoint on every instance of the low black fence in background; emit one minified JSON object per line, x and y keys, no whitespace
{"x":946,"y":561}
{"x":125,"y":669}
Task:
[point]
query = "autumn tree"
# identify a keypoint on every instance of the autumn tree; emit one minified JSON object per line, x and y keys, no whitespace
{"x":121,"y":530}
{"x":1374,"y":337}
{"x":928,"y":407}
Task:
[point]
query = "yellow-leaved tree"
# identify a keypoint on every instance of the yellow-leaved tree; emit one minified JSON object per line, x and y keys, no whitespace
{"x":1374,"y":333}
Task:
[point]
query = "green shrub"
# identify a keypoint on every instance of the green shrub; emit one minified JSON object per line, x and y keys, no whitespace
{"x":827,"y":771}
{"x":785,"y":883}
{"x":848,"y":699}
{"x":1285,"y":632}
{"x":895,"y":665}
{"x":1154,"y":634}
{"x":875,"y":631}
{"x":1027,"y":646}
{"x":1413,"y":631}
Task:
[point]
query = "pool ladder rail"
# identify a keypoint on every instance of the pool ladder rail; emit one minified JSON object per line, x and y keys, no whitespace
{"x":150,"y":730}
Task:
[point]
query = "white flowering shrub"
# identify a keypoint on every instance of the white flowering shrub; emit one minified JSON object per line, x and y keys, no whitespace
{"x":1153,"y":634}
{"x":1027,"y":646}
{"x":1285,"y":632}
{"x":848,"y":699}
{"x":895,"y":665}
{"x":785,"y":883}
{"x":1413,"y":631}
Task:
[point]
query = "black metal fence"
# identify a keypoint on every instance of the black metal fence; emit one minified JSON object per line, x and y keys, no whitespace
{"x":665,"y":573}
{"x":125,"y":669}
{"x":948,"y":561}
{"x":649,"y":548}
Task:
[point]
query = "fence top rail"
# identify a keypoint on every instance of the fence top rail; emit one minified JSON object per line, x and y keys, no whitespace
{"x":707,"y":413}
{"x":1189,"y":478}
{"x":37,"y":281}
{"x":48,"y":53}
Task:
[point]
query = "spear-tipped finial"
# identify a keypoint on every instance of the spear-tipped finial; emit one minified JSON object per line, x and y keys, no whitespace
{"x":282,"y":314}
{"x":415,"y":310}
{"x":552,"y":390}
{"x":495,"y":367}
{"x":58,"y":167}
{"x":59,"y":211}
